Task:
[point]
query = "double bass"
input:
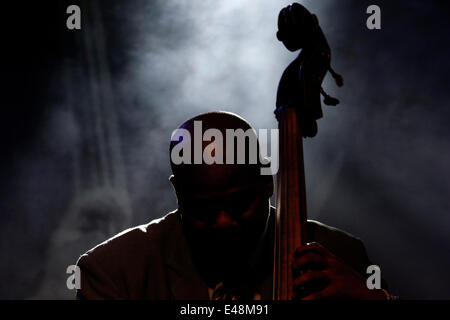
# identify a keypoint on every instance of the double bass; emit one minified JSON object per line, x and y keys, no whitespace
{"x":298,"y":107}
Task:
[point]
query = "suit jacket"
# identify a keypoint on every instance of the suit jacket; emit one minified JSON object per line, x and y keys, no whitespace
{"x":153,"y":261}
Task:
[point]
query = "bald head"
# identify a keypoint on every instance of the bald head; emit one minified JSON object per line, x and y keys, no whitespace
{"x":215,"y":151}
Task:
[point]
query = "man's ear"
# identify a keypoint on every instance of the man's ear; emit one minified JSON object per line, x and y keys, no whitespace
{"x":174,"y":184}
{"x":268,"y":182}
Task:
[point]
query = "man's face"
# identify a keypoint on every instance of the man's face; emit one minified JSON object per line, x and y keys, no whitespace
{"x":224,"y":205}
{"x":224,"y":226}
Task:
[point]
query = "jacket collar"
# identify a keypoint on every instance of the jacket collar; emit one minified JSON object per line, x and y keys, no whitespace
{"x":184,"y":281}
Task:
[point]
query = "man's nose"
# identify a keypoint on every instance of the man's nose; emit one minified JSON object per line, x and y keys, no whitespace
{"x":224,"y":220}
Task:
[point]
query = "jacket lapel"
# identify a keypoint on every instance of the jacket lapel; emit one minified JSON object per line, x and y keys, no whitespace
{"x":184,"y":281}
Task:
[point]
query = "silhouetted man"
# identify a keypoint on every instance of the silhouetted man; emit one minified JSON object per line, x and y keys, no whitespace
{"x":218,"y":244}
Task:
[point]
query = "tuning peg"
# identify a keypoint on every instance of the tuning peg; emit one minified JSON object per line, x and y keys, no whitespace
{"x":328,"y":100}
{"x":337,"y":77}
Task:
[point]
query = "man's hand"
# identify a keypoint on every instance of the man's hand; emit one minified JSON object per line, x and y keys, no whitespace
{"x":318,"y":274}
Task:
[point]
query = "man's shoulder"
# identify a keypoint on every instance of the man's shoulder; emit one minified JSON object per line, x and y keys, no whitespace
{"x":136,"y":242}
{"x":320,"y":229}
{"x":122,"y":266}
{"x":342,"y":244}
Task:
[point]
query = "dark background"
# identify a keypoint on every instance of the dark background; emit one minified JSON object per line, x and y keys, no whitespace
{"x":86,"y":118}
